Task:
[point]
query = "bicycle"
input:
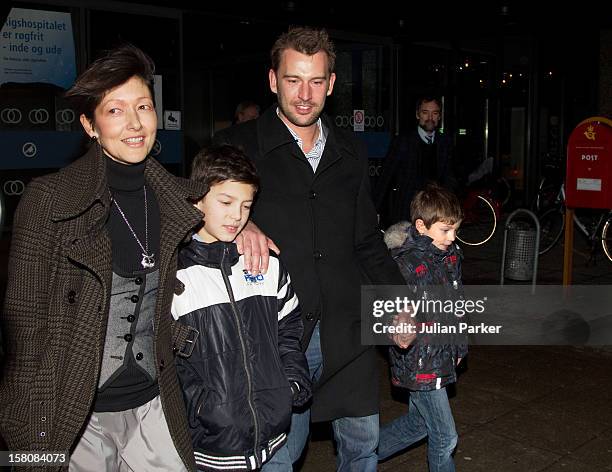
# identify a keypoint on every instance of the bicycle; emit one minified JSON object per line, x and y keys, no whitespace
{"x":548,"y":189}
{"x":596,"y":226}
{"x":482,"y":204}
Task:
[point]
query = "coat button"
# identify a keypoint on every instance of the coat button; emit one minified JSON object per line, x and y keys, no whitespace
{"x":134,"y":298}
{"x":179,"y":287}
{"x":128,"y":337}
{"x":317,"y":255}
{"x":309,"y":316}
{"x":139,"y":356}
{"x":312,"y":195}
{"x":138,"y":281}
{"x":71,"y":296}
{"x":131,"y":318}
{"x":161,"y":364}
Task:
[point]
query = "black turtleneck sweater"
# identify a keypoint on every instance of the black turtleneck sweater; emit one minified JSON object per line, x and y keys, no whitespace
{"x":126,"y":184}
{"x":132,"y":387}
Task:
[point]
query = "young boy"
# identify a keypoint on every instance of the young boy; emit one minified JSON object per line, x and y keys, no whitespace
{"x":247,"y":368}
{"x":428,"y":258}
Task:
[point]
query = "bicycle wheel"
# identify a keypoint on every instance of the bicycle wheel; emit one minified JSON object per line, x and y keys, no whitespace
{"x":502,"y":191}
{"x":552,"y":223}
{"x":479,"y":222}
{"x":606,"y":238}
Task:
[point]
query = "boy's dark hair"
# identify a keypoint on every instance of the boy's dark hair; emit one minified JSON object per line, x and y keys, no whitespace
{"x":306,"y":40}
{"x":216,"y":164}
{"x":435,"y":204}
{"x":114,"y":68}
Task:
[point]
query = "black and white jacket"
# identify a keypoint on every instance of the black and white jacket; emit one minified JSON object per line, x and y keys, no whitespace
{"x":240,"y":380}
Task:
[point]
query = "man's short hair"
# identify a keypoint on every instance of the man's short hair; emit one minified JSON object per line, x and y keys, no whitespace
{"x":216,"y":164}
{"x":428,"y":98}
{"x":434,"y":204}
{"x":244,"y":105}
{"x":307,"y":41}
{"x":112,"y":69}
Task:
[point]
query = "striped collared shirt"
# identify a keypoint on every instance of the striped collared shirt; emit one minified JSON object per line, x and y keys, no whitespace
{"x":314,"y":155}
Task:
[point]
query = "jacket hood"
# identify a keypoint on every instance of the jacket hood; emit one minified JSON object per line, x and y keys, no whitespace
{"x":396,"y":235}
{"x":403,"y":236}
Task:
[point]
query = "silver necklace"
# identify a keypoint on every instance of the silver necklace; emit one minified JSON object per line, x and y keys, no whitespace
{"x":148,"y":260}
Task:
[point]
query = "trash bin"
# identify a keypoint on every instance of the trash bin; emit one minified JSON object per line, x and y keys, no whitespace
{"x":520,"y":251}
{"x":521,"y":248}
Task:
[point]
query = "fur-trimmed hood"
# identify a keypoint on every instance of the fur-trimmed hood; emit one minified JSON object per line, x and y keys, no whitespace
{"x":403,"y":236}
{"x":396,"y":235}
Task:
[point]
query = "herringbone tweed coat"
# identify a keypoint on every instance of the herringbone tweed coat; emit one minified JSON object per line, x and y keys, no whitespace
{"x":56,"y":305}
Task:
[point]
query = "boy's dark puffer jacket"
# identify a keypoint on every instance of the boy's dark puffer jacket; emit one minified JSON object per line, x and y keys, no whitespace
{"x":240,"y":381}
{"x":425,"y":267}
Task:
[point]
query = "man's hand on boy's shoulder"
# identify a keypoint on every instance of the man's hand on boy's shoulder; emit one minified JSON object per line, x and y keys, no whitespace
{"x":407,"y":335}
{"x":255,"y":246}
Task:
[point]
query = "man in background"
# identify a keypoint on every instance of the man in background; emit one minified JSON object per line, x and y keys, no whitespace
{"x":422,"y":155}
{"x":245,"y":111}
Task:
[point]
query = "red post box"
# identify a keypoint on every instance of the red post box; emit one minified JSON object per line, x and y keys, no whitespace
{"x":589,"y":165}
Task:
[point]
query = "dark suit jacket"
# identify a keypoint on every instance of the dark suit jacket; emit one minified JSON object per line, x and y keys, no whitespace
{"x":404,"y":174}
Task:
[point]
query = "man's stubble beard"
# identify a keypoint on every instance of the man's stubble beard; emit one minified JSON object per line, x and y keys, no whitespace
{"x":294,"y":118}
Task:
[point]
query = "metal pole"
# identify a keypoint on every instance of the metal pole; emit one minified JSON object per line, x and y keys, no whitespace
{"x":568,"y":248}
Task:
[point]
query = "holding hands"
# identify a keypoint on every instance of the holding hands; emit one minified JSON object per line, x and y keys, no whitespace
{"x":408,"y":332}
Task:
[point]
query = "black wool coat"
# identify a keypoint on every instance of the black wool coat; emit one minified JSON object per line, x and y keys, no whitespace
{"x":325,"y":225}
{"x":57,"y":301}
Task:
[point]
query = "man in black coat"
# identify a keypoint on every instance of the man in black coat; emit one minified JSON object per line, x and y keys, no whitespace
{"x":315,"y":203}
{"x":422,"y":155}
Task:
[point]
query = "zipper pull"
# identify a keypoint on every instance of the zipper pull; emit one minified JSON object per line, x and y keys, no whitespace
{"x":223,"y":254}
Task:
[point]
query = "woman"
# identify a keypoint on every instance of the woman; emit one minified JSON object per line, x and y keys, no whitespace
{"x":91,"y":278}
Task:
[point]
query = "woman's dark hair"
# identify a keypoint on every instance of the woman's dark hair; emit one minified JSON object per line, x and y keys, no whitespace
{"x":217,"y":164}
{"x":114,"y":68}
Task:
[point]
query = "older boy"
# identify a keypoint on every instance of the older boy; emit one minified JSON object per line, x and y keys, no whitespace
{"x":247,"y":368}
